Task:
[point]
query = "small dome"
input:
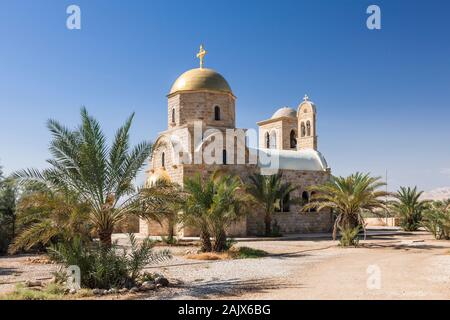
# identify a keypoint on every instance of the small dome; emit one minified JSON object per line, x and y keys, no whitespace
{"x":201,"y":79}
{"x":285,"y":112}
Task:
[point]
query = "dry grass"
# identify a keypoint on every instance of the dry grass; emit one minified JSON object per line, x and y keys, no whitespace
{"x":233,"y":253}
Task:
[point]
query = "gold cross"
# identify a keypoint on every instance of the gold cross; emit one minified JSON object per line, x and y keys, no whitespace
{"x":201,"y":55}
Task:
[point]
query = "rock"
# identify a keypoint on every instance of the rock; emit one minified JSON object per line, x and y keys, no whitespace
{"x":134,"y":290}
{"x":97,"y":291}
{"x":162,"y":281}
{"x":123,"y":290}
{"x":112,"y":291}
{"x":159,"y":285}
{"x":147,"y":285}
{"x":73,"y":291}
{"x":30,"y":284}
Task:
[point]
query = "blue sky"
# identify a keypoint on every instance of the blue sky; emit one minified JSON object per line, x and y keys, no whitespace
{"x":382,"y":96}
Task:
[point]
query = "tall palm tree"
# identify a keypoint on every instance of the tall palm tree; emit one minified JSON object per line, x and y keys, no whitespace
{"x":102,"y":175}
{"x":268,"y":191}
{"x":408,"y":207}
{"x":348,"y":197}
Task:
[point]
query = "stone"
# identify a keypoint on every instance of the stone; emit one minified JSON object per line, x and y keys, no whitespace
{"x":112,"y":291}
{"x":147,"y":285}
{"x":31,"y":283}
{"x":134,"y":290}
{"x":72,"y":291}
{"x":162,"y":281}
{"x":97,"y":291}
{"x":158,"y":286}
{"x":123,"y":290}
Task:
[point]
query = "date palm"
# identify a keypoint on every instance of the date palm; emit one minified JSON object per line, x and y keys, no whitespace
{"x":101,"y":175}
{"x":348,"y":197}
{"x":408,"y":207}
{"x":46,"y":217}
{"x":268,"y":191}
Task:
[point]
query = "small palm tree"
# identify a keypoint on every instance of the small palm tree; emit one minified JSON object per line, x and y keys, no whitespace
{"x":102,"y":176}
{"x":162,"y":201}
{"x":436,"y":219}
{"x":408,"y":207}
{"x":198,"y":203}
{"x":46,"y":217}
{"x":268,"y":191}
{"x":348,"y":197}
{"x":229,"y":204}
{"x":212,"y":205}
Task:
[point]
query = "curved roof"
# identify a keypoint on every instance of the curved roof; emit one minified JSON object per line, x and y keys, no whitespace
{"x":307,"y":160}
{"x":201,"y":79}
{"x":285,"y":112}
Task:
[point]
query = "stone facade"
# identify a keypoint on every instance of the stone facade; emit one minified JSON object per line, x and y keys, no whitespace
{"x":197,"y":118}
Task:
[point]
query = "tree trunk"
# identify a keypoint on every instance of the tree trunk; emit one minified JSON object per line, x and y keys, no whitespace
{"x":105,"y":238}
{"x":268,"y":224}
{"x":171,"y":232}
{"x":206,"y":241}
{"x":220,"y":241}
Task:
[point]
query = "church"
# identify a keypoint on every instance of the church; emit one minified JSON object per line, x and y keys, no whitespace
{"x":202,"y":137}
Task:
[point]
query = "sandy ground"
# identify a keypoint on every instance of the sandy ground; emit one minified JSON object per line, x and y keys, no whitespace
{"x":384,"y":267}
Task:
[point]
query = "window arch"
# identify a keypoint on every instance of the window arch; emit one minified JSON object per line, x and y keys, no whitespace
{"x":303,"y":129}
{"x":267,"y":142}
{"x":308,"y":128}
{"x":224,"y":156}
{"x":273,"y":140}
{"x":293,"y":139}
{"x":217,"y":113}
{"x":163,"y":159}
{"x":173,"y":115}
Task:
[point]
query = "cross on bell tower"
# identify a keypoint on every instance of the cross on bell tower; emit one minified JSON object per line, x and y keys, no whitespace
{"x":201,"y":55}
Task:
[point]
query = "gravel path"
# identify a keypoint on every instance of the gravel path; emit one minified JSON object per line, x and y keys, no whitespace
{"x":409,"y":266}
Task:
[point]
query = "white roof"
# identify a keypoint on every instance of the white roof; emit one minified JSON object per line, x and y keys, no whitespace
{"x":307,"y":159}
{"x":285,"y":112}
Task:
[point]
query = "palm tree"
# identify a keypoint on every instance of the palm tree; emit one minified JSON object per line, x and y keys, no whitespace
{"x":102,"y":176}
{"x":9,"y":194}
{"x":163,"y":201}
{"x":229,"y":204}
{"x":408,"y":207}
{"x":348,"y":197}
{"x":46,"y":217}
{"x":199,"y":201}
{"x":212,"y":205}
{"x":268,"y":191}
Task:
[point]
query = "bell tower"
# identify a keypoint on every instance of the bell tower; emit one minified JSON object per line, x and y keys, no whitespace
{"x":307,"y":134}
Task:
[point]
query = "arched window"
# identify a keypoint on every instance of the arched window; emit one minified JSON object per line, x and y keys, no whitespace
{"x":224,"y":156}
{"x":303,"y":130}
{"x":217,"y":113}
{"x":267,"y":140}
{"x":308,"y":128}
{"x":285,"y":204}
{"x":293,"y":139}
{"x":163,"y":160}
{"x":173,"y":115}
{"x":273,"y":140}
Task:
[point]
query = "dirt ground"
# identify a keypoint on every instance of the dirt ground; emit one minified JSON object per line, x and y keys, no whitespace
{"x":407,"y":266}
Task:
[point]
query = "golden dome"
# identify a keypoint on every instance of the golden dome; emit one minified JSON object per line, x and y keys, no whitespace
{"x":201,"y":79}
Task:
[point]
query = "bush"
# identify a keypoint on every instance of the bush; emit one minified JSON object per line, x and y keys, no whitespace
{"x":103,"y":267}
{"x":349,"y":236}
{"x":437,"y":221}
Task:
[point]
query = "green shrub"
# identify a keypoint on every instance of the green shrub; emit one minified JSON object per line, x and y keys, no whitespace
{"x":248,"y":253}
{"x":349,"y":236}
{"x":436,"y":220}
{"x":103,"y":267}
